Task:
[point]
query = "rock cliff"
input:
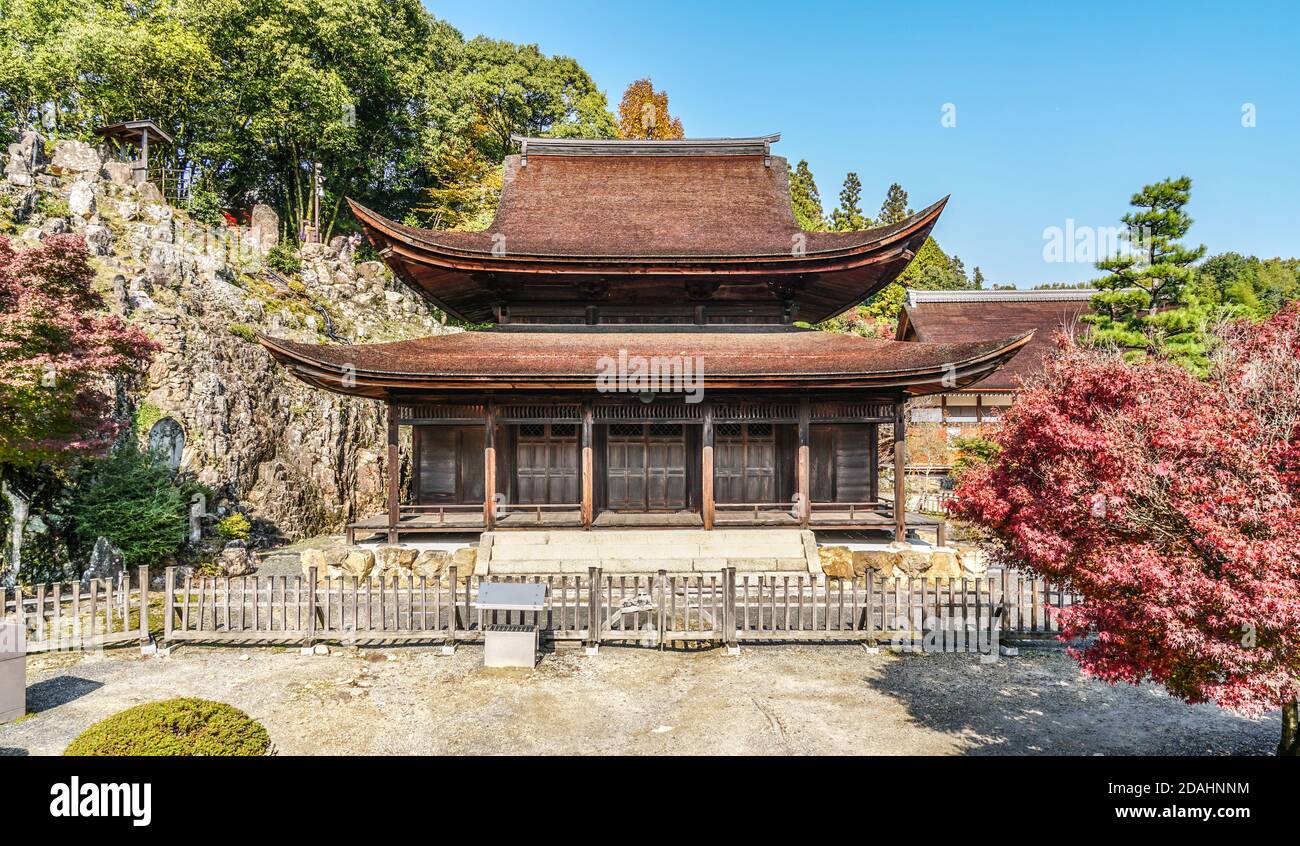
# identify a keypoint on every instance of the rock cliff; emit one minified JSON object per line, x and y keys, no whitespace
{"x":301,"y":460}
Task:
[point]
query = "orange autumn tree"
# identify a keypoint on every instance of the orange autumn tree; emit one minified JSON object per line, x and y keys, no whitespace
{"x":643,"y":113}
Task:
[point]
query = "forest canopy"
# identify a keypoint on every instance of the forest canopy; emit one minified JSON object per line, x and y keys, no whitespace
{"x":387,"y":99}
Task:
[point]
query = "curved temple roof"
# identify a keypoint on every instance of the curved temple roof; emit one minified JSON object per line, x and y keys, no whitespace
{"x":572,"y":359}
{"x":639,"y":213}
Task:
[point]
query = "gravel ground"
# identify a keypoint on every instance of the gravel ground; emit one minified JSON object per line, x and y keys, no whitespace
{"x":769,"y":700}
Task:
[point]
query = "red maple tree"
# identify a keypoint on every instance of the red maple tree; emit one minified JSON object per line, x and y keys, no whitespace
{"x":1172,"y":506}
{"x":59,"y":349}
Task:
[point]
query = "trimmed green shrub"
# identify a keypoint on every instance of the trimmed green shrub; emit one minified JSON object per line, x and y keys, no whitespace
{"x":133,"y":498}
{"x":184,"y":726}
{"x":234,"y":527}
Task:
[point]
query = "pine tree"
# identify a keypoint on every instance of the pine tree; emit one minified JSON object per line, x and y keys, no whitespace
{"x":805,"y":199}
{"x":1145,"y":305}
{"x":895,"y":207}
{"x":978,"y":278}
{"x":1158,"y":265}
{"x":848,"y":216}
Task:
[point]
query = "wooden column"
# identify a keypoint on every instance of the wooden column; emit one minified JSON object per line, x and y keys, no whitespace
{"x":394,"y":471}
{"x":588,"y":469}
{"x":979,"y":409}
{"x":143,"y":175}
{"x":900,"y":465}
{"x":802,"y":471}
{"x":873,"y":463}
{"x":706,"y":465}
{"x":489,"y":466}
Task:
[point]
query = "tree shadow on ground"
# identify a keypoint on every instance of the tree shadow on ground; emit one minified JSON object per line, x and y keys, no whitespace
{"x":57,"y":691}
{"x":1038,"y":703}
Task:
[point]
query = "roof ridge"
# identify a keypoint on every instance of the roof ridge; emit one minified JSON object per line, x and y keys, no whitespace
{"x":999,"y":295}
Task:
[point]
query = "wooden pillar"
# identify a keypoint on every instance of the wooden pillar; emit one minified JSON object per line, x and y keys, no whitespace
{"x":489,"y":467}
{"x":394,"y":469}
{"x":900,"y":465}
{"x":943,"y":409}
{"x":873,"y":463}
{"x":706,"y":464}
{"x":144,"y":159}
{"x":979,"y":409}
{"x":588,"y":469}
{"x":802,"y":471}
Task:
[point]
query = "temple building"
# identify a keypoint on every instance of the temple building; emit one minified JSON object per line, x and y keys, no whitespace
{"x":644,"y":364}
{"x":951,"y":316}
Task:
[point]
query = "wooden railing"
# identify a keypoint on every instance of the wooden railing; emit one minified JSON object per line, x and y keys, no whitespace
{"x":757,"y":508}
{"x":597,"y":608}
{"x":76,"y":616}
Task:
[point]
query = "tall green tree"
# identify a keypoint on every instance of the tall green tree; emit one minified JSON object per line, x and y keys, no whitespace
{"x":805,"y":199}
{"x":848,"y":216}
{"x":1144,"y":305}
{"x":895,"y":207}
{"x":1157,"y":265}
{"x":516,"y":88}
{"x":260,"y":94}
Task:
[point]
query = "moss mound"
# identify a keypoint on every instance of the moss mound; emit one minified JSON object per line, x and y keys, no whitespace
{"x":184,"y":726}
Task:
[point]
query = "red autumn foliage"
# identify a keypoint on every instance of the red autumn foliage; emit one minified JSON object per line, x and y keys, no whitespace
{"x":1171,"y":504}
{"x":58,"y":348}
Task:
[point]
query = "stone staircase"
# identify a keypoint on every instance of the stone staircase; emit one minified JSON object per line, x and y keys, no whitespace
{"x":630,"y":551}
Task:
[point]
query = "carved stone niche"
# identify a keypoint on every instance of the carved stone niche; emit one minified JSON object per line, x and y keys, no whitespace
{"x":701,"y":289}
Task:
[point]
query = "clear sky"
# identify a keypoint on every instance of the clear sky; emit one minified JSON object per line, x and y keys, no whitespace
{"x":1063,"y":110}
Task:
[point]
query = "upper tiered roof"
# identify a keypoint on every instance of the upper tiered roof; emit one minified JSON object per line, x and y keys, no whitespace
{"x":647,"y":223}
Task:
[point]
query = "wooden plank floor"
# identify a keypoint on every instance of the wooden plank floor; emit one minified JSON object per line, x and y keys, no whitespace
{"x":473,"y":521}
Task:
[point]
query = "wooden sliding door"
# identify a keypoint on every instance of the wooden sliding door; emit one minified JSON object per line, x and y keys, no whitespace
{"x":448,"y":464}
{"x":547,"y":466}
{"x":645,"y":467}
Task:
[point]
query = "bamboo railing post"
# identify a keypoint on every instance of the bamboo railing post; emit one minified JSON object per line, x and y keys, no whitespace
{"x":1006,"y":606}
{"x":729,"y":613}
{"x":169,"y":596}
{"x":663,"y":581}
{"x":449,"y":648}
{"x":309,"y":640}
{"x":593,"y":610}
{"x":143,"y":576}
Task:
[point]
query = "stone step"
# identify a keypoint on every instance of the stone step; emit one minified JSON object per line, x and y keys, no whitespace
{"x":623,"y":552}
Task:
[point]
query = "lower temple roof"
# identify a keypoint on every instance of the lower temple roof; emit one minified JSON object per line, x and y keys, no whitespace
{"x":572,"y":358}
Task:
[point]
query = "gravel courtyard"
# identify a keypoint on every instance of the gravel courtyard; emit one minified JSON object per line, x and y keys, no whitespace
{"x":769,"y":700}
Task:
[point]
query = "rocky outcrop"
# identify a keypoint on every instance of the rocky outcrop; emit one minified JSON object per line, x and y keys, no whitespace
{"x":237,"y":559}
{"x":900,"y":560}
{"x":299,"y":461}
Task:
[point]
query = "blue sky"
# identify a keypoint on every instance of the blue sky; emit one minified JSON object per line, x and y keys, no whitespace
{"x":1062,"y":110}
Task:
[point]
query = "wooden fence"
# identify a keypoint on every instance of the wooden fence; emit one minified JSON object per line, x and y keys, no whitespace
{"x":657,"y":609}
{"x":73,"y":615}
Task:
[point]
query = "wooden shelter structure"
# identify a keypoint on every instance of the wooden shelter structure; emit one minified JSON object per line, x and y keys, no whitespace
{"x":644,"y":366}
{"x":137,"y":134}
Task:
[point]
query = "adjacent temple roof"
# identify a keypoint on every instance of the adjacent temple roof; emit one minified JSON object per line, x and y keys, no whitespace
{"x":565,"y":358}
{"x":635,"y":222}
{"x":950,"y":316}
